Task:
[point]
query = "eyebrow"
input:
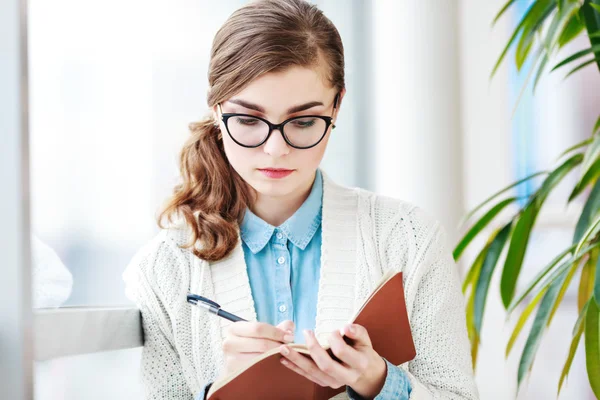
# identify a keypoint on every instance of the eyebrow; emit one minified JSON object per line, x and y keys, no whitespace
{"x":260,"y":109}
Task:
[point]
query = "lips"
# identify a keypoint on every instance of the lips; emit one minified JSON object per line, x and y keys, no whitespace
{"x":276,"y":173}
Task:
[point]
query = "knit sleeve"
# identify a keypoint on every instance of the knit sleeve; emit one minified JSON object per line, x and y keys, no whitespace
{"x":442,"y":368}
{"x":161,"y":369}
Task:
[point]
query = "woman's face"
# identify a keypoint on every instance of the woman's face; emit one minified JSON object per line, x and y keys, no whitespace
{"x":271,"y":97}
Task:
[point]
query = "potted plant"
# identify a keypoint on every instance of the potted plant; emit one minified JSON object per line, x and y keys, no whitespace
{"x":544,"y":28}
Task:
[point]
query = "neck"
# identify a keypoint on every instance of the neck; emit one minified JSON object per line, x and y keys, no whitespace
{"x":276,"y":210}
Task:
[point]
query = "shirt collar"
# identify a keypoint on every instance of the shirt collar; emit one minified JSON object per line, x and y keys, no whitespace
{"x":299,"y":228}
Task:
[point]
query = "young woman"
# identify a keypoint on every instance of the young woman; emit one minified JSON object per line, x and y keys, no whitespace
{"x":257,"y":227}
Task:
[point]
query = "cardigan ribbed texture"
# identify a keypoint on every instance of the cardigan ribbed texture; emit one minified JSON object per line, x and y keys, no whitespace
{"x":363,"y":235}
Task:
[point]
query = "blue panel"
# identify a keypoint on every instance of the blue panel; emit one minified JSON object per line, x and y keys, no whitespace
{"x":523,"y":128}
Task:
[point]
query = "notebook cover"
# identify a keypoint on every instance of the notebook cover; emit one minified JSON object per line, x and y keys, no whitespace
{"x":386,"y":320}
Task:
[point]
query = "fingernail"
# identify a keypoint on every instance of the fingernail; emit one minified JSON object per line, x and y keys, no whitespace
{"x":288,"y":338}
{"x":350,"y":329}
{"x":284,"y":350}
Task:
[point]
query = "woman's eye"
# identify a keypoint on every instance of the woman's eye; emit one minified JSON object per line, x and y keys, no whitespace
{"x":247,"y":121}
{"x":304,"y":123}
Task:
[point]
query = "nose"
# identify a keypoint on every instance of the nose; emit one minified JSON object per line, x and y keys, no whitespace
{"x":276,"y":145}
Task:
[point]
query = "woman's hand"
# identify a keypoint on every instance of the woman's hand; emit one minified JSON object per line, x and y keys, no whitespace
{"x":245,"y":340}
{"x":361,"y":368}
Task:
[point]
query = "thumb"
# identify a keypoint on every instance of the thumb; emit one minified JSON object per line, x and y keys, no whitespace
{"x":287,"y":325}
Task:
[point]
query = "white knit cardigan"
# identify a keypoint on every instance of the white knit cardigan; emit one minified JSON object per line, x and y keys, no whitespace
{"x":363,"y":236}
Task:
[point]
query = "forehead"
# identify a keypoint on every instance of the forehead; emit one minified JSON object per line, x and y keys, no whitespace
{"x":278,"y":91}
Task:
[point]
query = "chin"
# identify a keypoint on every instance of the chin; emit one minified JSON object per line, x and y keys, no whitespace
{"x":274,"y":187}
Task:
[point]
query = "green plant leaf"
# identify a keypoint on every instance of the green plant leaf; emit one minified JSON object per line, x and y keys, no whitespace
{"x":539,"y":54}
{"x":592,"y":346}
{"x":503,"y":10}
{"x":523,"y":48}
{"x":586,"y":280}
{"x":596,"y":6}
{"x":591,"y":208}
{"x":513,"y":37}
{"x":581,"y":318}
{"x":597,"y":125}
{"x":478,"y":227}
{"x":516,"y":253}
{"x":576,"y":147}
{"x":559,"y":24}
{"x":540,"y":70}
{"x":596,"y":279}
{"x":592,"y":153}
{"x":555,"y":177}
{"x":554,"y":273}
{"x":473,"y":273}
{"x":523,"y":319}
{"x":540,"y":275}
{"x":487,"y":270}
{"x":473,"y":336}
{"x":570,"y":357}
{"x":576,"y":56}
{"x":590,"y":176}
{"x":571,"y":30}
{"x":592,"y":230}
{"x":520,"y":236}
{"x":590,"y":16}
{"x":534,"y":21}
{"x":492,"y":197}
{"x":580,"y":66}
{"x":562,"y":291}
{"x":539,"y":324}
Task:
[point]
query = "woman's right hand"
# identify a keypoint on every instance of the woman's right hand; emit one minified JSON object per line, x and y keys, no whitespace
{"x":245,"y":340}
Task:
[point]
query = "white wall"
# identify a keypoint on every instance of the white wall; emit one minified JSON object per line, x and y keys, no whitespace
{"x":417,"y":106}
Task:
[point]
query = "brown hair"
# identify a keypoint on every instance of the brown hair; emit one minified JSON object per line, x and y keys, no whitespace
{"x":261,"y":37}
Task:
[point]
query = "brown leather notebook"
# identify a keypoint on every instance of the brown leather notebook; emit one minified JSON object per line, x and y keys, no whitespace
{"x":383,"y":314}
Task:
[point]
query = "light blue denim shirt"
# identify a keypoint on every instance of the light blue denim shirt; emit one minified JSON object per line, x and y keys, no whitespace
{"x":284,"y":265}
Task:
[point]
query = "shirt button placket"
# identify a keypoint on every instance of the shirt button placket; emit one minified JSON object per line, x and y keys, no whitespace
{"x":283,"y":271}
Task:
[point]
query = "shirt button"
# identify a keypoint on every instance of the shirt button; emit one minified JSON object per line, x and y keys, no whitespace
{"x":281,"y":260}
{"x":279,"y":235}
{"x":282,"y":308}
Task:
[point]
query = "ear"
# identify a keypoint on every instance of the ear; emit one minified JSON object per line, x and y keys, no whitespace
{"x":342,"y":93}
{"x":340,"y":97}
{"x":215,"y":112}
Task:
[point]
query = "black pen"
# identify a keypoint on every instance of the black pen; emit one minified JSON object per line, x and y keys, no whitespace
{"x":212,"y":307}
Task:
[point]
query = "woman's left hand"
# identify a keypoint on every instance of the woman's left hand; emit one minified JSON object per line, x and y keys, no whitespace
{"x":361,"y":368}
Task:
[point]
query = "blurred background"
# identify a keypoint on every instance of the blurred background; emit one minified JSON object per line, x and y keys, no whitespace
{"x":114,"y":84}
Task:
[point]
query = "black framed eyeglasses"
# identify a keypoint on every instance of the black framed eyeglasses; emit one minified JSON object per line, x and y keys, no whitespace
{"x":301,"y":132}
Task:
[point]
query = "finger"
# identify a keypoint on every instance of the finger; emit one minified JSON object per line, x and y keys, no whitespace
{"x":287,"y":325}
{"x":358,"y":333}
{"x":325,"y":362}
{"x":299,"y":371}
{"x":346,"y":353}
{"x":308,"y":366}
{"x":260,"y":330}
{"x":241,"y":344}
